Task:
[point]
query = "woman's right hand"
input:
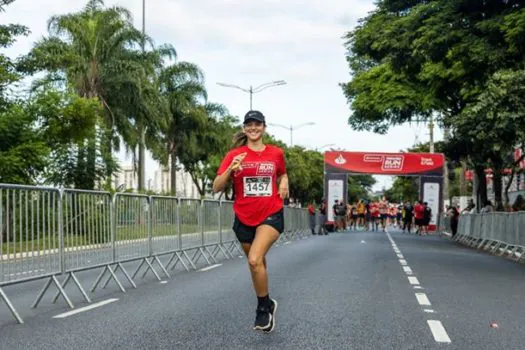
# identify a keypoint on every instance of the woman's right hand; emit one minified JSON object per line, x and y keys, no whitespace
{"x":237,"y":160}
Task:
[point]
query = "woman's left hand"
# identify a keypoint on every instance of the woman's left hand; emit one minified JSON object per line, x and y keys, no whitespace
{"x":283,"y":191}
{"x":283,"y":187}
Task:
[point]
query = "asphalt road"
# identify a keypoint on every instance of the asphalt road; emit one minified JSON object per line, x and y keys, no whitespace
{"x":342,"y":291}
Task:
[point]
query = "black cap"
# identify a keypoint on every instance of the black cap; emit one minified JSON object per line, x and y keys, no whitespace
{"x":254,"y":115}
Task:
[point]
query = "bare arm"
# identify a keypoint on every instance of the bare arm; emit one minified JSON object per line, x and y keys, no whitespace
{"x":283,"y":186}
{"x":221,"y":181}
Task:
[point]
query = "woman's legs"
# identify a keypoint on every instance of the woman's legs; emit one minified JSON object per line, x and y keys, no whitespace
{"x":246,"y":248}
{"x":265,"y":236}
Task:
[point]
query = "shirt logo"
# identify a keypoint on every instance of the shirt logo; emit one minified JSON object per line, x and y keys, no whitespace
{"x":266,"y":169}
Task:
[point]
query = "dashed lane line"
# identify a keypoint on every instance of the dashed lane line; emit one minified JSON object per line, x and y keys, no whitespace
{"x":86,"y":308}
{"x":422,"y":299}
{"x":436,"y":327}
{"x":209,"y":267}
{"x":438,"y":331}
{"x":413,"y":280}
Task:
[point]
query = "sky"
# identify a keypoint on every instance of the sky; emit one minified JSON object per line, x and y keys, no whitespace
{"x":249,"y":43}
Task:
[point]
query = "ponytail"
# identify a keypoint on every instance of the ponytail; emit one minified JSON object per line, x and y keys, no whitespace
{"x":239,"y":139}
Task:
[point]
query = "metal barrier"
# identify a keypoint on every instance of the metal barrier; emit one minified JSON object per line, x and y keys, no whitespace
{"x":499,"y":233}
{"x":46,"y":232}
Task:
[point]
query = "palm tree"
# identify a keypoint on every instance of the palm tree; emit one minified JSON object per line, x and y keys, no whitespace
{"x":182,"y":84}
{"x":203,"y":143}
{"x":97,"y":52}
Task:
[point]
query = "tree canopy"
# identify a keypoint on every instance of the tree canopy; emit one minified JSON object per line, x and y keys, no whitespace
{"x":458,"y":60}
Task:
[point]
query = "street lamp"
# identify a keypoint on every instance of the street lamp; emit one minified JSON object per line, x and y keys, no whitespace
{"x":292,"y":128}
{"x":252,"y":90}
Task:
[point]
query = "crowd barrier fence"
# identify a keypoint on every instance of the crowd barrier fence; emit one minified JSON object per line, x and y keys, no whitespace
{"x":498,"y":233}
{"x":47,"y":233}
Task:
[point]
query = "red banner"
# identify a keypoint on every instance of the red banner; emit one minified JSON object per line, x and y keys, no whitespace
{"x":385,"y":163}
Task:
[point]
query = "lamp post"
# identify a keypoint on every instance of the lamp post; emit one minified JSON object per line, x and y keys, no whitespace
{"x":255,"y":90}
{"x":291,"y":128}
{"x":142,"y":129}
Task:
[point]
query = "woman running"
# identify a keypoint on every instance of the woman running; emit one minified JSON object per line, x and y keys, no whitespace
{"x":260,"y":183}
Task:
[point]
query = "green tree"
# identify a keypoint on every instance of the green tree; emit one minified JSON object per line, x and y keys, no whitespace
{"x":182,"y":86}
{"x":69,"y":122}
{"x":96,"y":52}
{"x":305,"y":174}
{"x":359,"y":187}
{"x":225,"y":128}
{"x":201,"y":144}
{"x":23,"y":150}
{"x":412,"y":58}
{"x":496,"y":122}
{"x":403,"y":189}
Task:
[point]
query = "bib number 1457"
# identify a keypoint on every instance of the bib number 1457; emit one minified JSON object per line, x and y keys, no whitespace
{"x":258,"y":186}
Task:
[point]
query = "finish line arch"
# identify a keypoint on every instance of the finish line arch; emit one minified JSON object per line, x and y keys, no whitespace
{"x":429,"y":167}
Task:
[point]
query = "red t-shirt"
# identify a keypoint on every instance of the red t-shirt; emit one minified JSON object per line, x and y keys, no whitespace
{"x":256,"y":193}
{"x":419,"y":211}
{"x":374,"y":210}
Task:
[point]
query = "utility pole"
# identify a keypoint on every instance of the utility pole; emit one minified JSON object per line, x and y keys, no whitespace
{"x":251,"y":98}
{"x":446,"y":182}
{"x":142,"y":143}
{"x":431,"y":131}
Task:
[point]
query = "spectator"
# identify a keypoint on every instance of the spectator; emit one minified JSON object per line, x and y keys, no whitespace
{"x":322,"y":217}
{"x":454,"y":219}
{"x":408,"y":214}
{"x":337,"y":216}
{"x":311,"y":217}
{"x":427,"y":216}
{"x":419,"y":215}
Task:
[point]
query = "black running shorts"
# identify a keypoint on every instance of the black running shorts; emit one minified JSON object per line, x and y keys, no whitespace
{"x":246,"y":234}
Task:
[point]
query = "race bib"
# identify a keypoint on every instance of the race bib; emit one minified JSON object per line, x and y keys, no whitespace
{"x":258,"y":186}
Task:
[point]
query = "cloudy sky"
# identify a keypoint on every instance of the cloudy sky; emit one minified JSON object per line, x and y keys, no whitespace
{"x":252,"y":42}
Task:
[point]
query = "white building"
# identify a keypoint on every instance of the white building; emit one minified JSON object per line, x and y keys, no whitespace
{"x":127,"y":179}
{"x":185,"y":186}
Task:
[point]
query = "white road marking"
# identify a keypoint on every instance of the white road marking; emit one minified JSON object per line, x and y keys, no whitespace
{"x":413,"y":280}
{"x":436,"y":327}
{"x":163,"y":282}
{"x":438,"y":331}
{"x":86,"y":308}
{"x":422,"y":299}
{"x":363,"y":242}
{"x":210,"y":267}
